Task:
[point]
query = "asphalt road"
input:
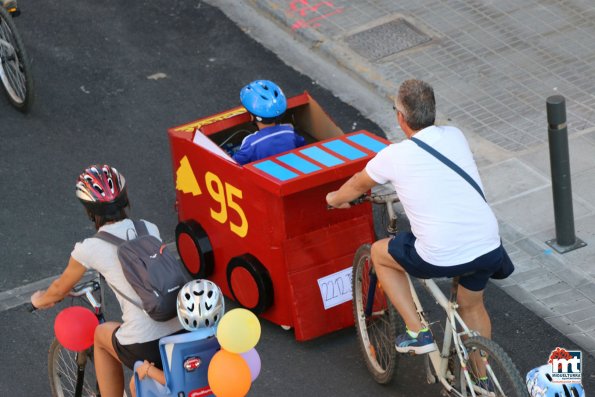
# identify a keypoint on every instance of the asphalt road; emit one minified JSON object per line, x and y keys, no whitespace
{"x":96,"y":102}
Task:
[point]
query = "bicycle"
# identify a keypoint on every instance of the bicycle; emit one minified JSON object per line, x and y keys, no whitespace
{"x":465,"y":355}
{"x":15,"y":68}
{"x":73,"y":373}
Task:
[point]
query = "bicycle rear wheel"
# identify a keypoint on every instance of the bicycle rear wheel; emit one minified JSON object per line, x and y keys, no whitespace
{"x":15,"y":69}
{"x":62,"y":367}
{"x":491,"y":369}
{"x":376,"y":332}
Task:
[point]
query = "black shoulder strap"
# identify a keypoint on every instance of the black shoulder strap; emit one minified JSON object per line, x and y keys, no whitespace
{"x":450,"y":164}
{"x":123,"y":295}
{"x":110,"y":238}
{"x":141,"y":228}
{"x":117,"y":241}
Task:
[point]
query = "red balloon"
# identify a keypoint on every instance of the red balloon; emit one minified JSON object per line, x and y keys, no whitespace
{"x":75,"y":328}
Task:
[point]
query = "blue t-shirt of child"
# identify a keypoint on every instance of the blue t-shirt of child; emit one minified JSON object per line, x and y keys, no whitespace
{"x":268,"y":142}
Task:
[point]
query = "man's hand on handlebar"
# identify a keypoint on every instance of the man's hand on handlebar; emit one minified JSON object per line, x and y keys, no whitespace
{"x":333,"y":204}
{"x":331,"y":198}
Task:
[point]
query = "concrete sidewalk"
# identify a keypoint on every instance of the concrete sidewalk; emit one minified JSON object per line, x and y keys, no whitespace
{"x":492,"y":65}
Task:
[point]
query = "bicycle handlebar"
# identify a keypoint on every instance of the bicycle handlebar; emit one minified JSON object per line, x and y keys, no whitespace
{"x":85,"y":288}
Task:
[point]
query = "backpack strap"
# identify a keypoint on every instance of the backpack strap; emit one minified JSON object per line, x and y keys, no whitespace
{"x":123,"y":295}
{"x":141,"y":228}
{"x":117,"y":241}
{"x":109,"y":238}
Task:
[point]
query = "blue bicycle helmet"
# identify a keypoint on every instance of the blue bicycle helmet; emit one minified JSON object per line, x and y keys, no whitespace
{"x":264,"y":99}
{"x":539,"y":384}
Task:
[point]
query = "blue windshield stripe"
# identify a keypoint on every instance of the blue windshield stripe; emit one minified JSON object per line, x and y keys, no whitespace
{"x":367,"y":142}
{"x":300,"y":164}
{"x":275,"y":170}
{"x":316,"y":153}
{"x":344,"y":149}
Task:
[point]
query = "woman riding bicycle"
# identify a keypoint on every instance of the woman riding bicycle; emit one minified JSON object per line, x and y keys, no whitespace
{"x":103,"y":192}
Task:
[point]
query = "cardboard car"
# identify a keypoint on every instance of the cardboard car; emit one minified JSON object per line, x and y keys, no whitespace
{"x":262,"y":231}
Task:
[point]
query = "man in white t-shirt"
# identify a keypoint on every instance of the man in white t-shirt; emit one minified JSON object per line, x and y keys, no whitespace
{"x":453,"y":230}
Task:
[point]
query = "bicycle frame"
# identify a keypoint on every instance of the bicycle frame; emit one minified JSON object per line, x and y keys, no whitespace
{"x":461,"y":364}
{"x":439,"y":358}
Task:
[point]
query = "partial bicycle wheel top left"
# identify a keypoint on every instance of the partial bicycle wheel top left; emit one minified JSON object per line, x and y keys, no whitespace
{"x":15,"y":69}
{"x":62,"y":367}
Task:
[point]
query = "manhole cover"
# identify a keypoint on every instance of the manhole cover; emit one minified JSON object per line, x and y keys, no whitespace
{"x":387,"y":39}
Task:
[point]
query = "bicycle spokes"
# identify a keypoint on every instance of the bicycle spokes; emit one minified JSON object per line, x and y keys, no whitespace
{"x":374,"y":319}
{"x":71,"y":373}
{"x":11,"y":69}
{"x":14,"y":65}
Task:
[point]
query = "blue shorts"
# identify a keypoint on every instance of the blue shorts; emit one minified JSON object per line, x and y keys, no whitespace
{"x":474,"y":274}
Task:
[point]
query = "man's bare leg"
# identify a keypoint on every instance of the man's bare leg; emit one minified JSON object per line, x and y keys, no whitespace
{"x":473,"y":311}
{"x":474,"y":314}
{"x":394,"y":282}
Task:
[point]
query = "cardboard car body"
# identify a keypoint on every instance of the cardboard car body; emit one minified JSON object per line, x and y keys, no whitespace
{"x":262,"y":231}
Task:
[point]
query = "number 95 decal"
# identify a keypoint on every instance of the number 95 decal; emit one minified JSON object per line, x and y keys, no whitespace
{"x":225,"y":195}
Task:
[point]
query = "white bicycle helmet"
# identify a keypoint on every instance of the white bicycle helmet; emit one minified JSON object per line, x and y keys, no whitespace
{"x":539,"y":384}
{"x":200,"y":304}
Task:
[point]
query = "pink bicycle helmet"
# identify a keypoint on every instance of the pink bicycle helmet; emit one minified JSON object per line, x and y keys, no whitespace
{"x":102,"y":189}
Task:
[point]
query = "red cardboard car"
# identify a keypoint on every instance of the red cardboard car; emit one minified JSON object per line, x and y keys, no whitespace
{"x":262,"y":231}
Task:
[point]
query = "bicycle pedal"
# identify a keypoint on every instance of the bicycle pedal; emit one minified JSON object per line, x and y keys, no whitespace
{"x":15,"y":12}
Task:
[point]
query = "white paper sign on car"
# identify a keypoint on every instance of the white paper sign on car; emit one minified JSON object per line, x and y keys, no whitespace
{"x":201,"y":139}
{"x":335,"y":288}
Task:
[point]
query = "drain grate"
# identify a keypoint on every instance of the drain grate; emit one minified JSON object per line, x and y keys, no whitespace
{"x":386,"y":39}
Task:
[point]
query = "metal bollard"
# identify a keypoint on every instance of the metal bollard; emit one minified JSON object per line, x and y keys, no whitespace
{"x":565,"y":239}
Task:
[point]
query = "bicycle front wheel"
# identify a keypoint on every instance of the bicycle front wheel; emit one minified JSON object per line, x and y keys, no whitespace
{"x":377,"y":330}
{"x":62,"y":367}
{"x":491,"y":370}
{"x":15,"y":70}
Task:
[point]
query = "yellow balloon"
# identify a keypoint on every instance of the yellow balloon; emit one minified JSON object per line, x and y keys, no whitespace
{"x":238,"y":331}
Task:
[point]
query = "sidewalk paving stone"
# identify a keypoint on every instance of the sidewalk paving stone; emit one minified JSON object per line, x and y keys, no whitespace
{"x":564,"y":325}
{"x":518,"y":293}
{"x":549,"y":290}
{"x":582,"y":315}
{"x":569,"y":303}
{"x":544,"y":280}
{"x":585,"y":340}
{"x":587,"y":325}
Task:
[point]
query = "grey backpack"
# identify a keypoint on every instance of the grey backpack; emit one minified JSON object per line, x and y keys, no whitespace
{"x":154,"y":274}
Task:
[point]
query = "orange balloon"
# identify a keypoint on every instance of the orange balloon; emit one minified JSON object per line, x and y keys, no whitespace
{"x":229,"y":375}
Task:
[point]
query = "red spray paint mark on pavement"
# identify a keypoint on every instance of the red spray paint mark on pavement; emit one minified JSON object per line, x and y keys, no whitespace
{"x":311,"y":14}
